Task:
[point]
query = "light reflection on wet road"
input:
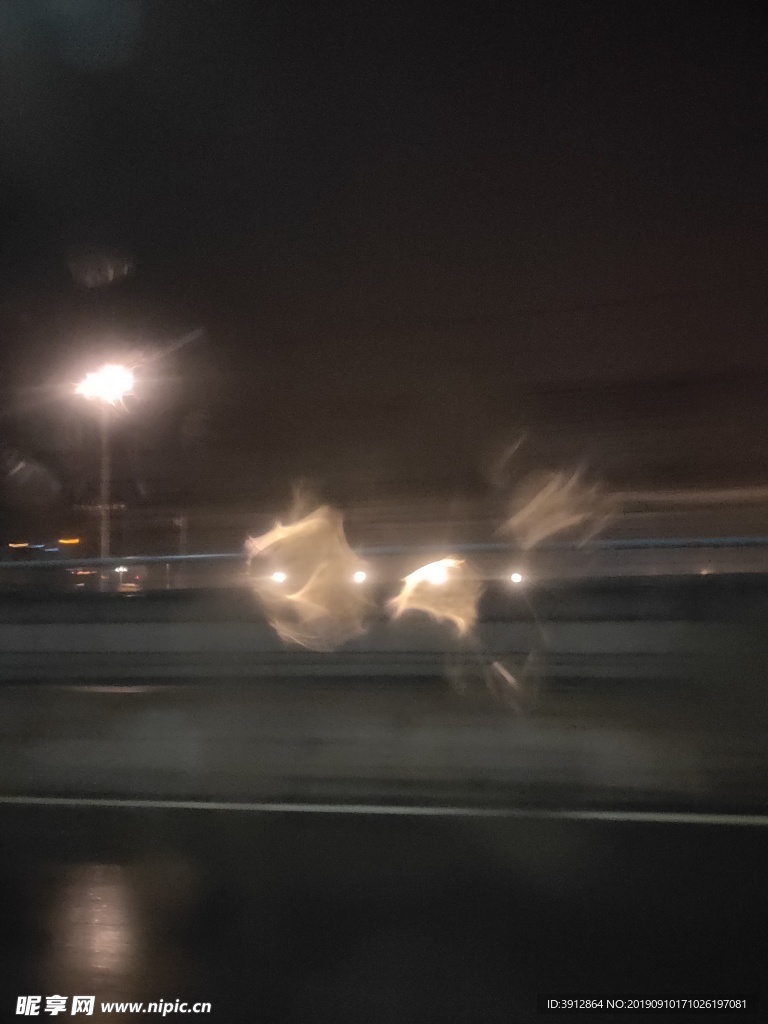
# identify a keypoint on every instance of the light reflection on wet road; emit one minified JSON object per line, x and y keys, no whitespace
{"x":365,"y":918}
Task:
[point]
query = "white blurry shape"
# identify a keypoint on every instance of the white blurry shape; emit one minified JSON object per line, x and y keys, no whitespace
{"x":360,"y":576}
{"x":445,"y":589}
{"x":499,"y":470}
{"x":504,"y":673}
{"x":323,"y":608}
{"x":110,"y":384}
{"x":26,"y":483}
{"x":556,"y":502}
{"x":516,"y":577}
{"x":518,"y":686}
{"x":95,"y":268}
{"x":435,"y":573}
{"x":278,"y":577}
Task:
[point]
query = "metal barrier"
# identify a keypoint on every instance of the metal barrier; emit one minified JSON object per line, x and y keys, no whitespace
{"x":492,"y":561}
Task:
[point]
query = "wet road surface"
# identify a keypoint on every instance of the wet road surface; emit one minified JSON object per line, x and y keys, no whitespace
{"x":369,"y":918}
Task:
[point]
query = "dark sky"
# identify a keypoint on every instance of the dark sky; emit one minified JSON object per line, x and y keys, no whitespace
{"x":395,"y":221}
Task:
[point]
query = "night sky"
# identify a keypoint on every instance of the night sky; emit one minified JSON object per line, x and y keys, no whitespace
{"x":409,"y":231}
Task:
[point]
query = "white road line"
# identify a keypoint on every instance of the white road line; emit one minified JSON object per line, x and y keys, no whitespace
{"x":662,"y":817}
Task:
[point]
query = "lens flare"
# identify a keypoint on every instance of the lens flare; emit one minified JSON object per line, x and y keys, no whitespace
{"x":555,"y":503}
{"x":318,"y":605}
{"x":445,"y":589}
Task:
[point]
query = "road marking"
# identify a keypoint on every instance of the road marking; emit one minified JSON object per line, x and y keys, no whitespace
{"x":662,"y":817}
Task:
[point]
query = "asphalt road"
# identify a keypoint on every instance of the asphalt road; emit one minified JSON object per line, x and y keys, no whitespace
{"x":315,"y":917}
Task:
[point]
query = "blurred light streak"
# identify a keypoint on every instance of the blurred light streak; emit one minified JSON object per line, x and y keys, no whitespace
{"x":396,"y":810}
{"x":324,"y":609}
{"x":444,"y":589}
{"x":732,"y":495}
{"x":554,"y":503}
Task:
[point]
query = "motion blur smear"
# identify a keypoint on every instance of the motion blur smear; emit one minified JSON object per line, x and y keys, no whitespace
{"x":445,"y":589}
{"x":312,"y":598}
{"x":550,"y":503}
{"x":309,"y":581}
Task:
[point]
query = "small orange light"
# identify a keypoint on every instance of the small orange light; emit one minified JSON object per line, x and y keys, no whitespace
{"x":21,"y":544}
{"x":69,"y":540}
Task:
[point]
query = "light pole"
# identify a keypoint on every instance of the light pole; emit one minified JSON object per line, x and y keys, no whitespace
{"x":108,"y":386}
{"x":105,"y":487}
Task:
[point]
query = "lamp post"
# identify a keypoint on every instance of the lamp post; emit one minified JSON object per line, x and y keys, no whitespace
{"x":107,"y":386}
{"x":105,"y":486}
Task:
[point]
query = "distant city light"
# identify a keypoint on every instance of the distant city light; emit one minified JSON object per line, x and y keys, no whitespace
{"x":516,"y":577}
{"x":121,"y":569}
{"x":69,"y":540}
{"x":360,"y":576}
{"x":110,"y":384}
{"x":20,"y":544}
{"x":279,"y":577}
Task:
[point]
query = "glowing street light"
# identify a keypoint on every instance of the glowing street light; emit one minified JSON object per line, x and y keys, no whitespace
{"x":279,"y":577}
{"x":107,"y":386}
{"x":516,"y":577}
{"x":110,"y":384}
{"x":360,"y":576}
